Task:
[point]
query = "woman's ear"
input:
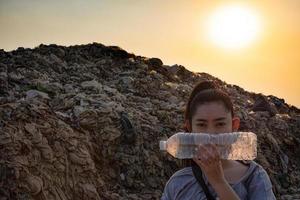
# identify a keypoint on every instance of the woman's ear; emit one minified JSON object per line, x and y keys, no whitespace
{"x":235,"y":123}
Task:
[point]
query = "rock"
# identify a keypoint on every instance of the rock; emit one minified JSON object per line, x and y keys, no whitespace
{"x":280,"y":104}
{"x":36,"y":135}
{"x":122,"y":176}
{"x":129,"y":133}
{"x":88,"y":119}
{"x":50,"y":88}
{"x":90,"y":191}
{"x":34,"y":93}
{"x":180,"y":72}
{"x":34,"y":184}
{"x":126,"y":84}
{"x":17,"y":77}
{"x":154,"y":62}
{"x":92,"y":85}
{"x":69,"y":88}
{"x":5,"y":138}
{"x":284,"y":162}
{"x":117,"y":52}
{"x":274,"y":143}
{"x":278,"y":122}
{"x":262,"y":104}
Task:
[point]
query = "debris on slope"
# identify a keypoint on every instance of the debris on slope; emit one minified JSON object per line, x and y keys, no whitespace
{"x":83,"y":122}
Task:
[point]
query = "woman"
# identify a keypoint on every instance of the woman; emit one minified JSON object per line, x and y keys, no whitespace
{"x":210,"y":110}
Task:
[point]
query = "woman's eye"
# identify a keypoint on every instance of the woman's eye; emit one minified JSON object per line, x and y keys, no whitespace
{"x":201,"y":125}
{"x":220,"y":124}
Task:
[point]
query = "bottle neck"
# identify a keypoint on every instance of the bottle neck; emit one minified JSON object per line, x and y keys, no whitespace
{"x":163,"y":145}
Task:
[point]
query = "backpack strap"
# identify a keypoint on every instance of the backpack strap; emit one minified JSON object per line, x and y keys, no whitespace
{"x":198,"y":175}
{"x":249,"y":178}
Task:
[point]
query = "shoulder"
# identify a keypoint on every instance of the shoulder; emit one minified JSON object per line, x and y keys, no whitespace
{"x":179,"y":179}
{"x":257,"y":168}
{"x":255,"y":183}
{"x":258,"y":183}
{"x":181,"y":175}
{"x":181,"y":184}
{"x":258,"y":176}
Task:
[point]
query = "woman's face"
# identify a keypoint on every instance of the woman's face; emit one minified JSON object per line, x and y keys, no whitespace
{"x":212,"y":117}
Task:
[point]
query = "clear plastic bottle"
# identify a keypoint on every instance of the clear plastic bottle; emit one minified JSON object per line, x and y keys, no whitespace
{"x":231,"y":146}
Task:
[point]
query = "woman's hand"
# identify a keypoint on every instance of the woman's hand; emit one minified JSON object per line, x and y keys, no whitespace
{"x":208,"y":158}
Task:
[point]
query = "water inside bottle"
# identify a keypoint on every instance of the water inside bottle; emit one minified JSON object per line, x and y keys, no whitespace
{"x":230,"y":146}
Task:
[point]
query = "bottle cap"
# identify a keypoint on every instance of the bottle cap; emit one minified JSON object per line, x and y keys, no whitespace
{"x":163,"y":145}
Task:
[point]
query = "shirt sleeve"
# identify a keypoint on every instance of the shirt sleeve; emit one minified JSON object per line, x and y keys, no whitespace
{"x":166,"y":193}
{"x":260,"y":186}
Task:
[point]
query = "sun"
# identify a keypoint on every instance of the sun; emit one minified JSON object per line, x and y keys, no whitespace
{"x":233,"y":26}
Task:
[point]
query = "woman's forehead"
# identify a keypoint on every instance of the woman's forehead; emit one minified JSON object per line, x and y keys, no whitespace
{"x":211,"y":111}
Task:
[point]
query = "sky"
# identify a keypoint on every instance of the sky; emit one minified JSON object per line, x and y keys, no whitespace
{"x":174,"y":31}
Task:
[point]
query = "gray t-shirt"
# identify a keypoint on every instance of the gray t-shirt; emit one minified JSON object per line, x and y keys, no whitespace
{"x":255,"y":184}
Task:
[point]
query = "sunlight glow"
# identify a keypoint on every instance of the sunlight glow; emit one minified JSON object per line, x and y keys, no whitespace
{"x":233,"y":26}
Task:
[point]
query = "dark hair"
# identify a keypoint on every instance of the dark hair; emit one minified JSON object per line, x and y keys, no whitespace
{"x":203,"y":92}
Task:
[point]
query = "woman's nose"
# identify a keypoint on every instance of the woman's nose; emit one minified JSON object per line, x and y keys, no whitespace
{"x":211,"y":130}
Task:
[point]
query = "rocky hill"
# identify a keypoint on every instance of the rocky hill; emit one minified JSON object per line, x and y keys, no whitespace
{"x":84,"y":122}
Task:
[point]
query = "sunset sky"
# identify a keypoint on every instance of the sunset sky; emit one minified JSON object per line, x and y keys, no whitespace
{"x":177,"y":32}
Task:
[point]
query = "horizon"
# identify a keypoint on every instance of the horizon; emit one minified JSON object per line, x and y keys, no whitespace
{"x":172,"y":32}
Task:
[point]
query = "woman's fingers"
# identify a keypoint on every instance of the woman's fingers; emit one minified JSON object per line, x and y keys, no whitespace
{"x":214,"y":152}
{"x":208,"y":158}
{"x":207,"y":154}
{"x":204,"y":155}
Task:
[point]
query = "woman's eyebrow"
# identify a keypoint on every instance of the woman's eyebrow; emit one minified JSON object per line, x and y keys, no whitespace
{"x":218,"y":119}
